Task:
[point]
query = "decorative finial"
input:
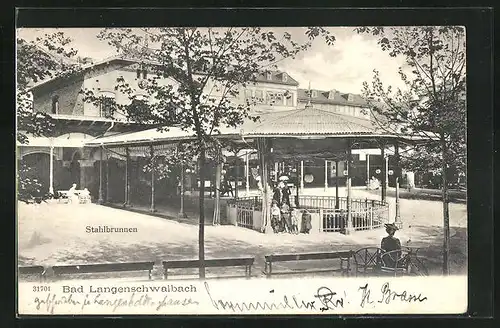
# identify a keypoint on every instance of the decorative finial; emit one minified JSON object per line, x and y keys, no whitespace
{"x":309,"y":95}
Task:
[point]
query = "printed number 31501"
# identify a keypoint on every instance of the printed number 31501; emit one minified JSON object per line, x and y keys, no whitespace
{"x":41,"y":288}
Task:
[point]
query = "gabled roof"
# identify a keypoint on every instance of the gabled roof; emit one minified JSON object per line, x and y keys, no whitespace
{"x":277,"y":78}
{"x":339,"y":98}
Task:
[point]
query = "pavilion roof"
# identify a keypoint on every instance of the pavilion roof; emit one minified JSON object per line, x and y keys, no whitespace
{"x":301,"y":123}
{"x":310,"y":121}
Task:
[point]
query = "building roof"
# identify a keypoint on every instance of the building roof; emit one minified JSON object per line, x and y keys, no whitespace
{"x":153,"y":136}
{"x":301,"y":123}
{"x":276,"y":76}
{"x":310,"y":121}
{"x":339,"y":98}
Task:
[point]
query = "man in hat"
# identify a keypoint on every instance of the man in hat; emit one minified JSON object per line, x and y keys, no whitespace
{"x":391,"y":243}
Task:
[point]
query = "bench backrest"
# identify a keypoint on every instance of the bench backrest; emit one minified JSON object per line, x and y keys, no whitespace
{"x":308,"y":256}
{"x":35,"y":269}
{"x":208,"y":263}
{"x":106,"y":267}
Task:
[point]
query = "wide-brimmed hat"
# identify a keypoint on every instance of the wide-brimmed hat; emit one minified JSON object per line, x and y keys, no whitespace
{"x":391,"y":226}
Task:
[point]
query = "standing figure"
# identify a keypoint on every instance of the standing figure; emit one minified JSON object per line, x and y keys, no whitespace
{"x":306,"y":221}
{"x":285,"y":218}
{"x":72,"y":195}
{"x":275,"y":217}
{"x":295,"y":220}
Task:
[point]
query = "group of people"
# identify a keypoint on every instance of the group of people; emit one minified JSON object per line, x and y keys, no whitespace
{"x":285,"y":217}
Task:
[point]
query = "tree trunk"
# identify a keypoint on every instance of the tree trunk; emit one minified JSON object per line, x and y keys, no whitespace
{"x":201,"y":231}
{"x":446,"y":212}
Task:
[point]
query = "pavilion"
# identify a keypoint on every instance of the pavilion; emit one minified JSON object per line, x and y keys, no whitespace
{"x":295,"y":135}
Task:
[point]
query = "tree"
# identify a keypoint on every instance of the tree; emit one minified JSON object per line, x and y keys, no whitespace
{"x":432,"y":103}
{"x":37,"y":60}
{"x":209,"y":66}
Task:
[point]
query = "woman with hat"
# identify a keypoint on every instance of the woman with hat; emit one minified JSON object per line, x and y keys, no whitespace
{"x":391,"y":243}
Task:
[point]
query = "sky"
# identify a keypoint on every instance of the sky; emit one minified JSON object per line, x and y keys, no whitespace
{"x":343,"y":66}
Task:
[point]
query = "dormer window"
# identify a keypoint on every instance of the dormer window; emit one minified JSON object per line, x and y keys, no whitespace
{"x":331,"y":94}
{"x":284,"y":77}
{"x":269,"y":76}
{"x":314,"y":94}
{"x":350,"y":97}
{"x":55,"y":104}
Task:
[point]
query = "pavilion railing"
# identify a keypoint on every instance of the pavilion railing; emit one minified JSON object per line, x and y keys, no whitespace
{"x":366,"y":214}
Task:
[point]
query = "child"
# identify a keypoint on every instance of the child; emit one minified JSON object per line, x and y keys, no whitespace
{"x":295,"y":220}
{"x":285,"y":218}
{"x":275,"y":216}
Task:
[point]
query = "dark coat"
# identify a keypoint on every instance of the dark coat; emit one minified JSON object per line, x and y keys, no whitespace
{"x":282,"y":196}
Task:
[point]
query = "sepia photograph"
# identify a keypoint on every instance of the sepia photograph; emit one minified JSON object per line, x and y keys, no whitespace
{"x":178,"y":170}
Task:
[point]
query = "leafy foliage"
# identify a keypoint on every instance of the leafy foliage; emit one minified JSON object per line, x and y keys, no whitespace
{"x":38,"y":60}
{"x":432,"y":104}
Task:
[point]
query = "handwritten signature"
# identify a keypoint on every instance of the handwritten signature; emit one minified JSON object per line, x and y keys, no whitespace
{"x":388,"y":295}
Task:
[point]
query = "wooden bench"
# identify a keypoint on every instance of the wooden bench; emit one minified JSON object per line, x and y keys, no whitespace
{"x":104,"y":267}
{"x":247,"y":262}
{"x":344,"y":256}
{"x":34,"y":270}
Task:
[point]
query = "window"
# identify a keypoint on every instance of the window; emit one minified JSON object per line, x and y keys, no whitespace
{"x":144,"y":74}
{"x":55,"y":104}
{"x":138,"y":72}
{"x":314,"y":94}
{"x":289,"y":99}
{"x":248,"y":94}
{"x":285,"y":77}
{"x":259,"y":97}
{"x":350,"y":97}
{"x":269,"y":76}
{"x":331,"y":94}
{"x":275,"y":98}
{"x":107,"y":104}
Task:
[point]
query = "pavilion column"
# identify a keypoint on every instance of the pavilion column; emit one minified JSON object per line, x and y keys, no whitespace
{"x":337,"y":184}
{"x":297,"y":201}
{"x":302,"y":176}
{"x":107,"y":177}
{"x":326,"y":175}
{"x":384,"y":174}
{"x":218,"y":176}
{"x":51,"y":171}
{"x":349,"y":227}
{"x":247,"y":173}
{"x":182,"y":214}
{"x":367,"y":171}
{"x":237,"y":176}
{"x":386,"y":171}
{"x":397,"y":173}
{"x":153,"y":169}
{"x":127,"y":177}
{"x":101,"y":198}
{"x":264,"y":164}
{"x":276,"y":169}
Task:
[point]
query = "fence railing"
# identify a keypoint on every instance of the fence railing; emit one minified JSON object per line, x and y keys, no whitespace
{"x":366,"y":214}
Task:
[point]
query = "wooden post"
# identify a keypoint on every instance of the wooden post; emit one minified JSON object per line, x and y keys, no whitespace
{"x":263,"y":155}
{"x":247,"y":173}
{"x":100,"y":200}
{"x":297,"y":202}
{"x":107,"y":177}
{"x":218,"y":173}
{"x":182,"y":214}
{"x":367,"y":171}
{"x":127,"y":187}
{"x":302,"y":176}
{"x":276,"y":169}
{"x":236,"y":168}
{"x":383,"y":182}
{"x":51,"y":171}
{"x":349,"y":229}
{"x":337,"y":185}
{"x":152,"y":179}
{"x":326,"y":175}
{"x":397,"y":219}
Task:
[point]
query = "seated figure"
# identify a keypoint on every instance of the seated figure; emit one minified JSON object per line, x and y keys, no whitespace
{"x":389,"y":244}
